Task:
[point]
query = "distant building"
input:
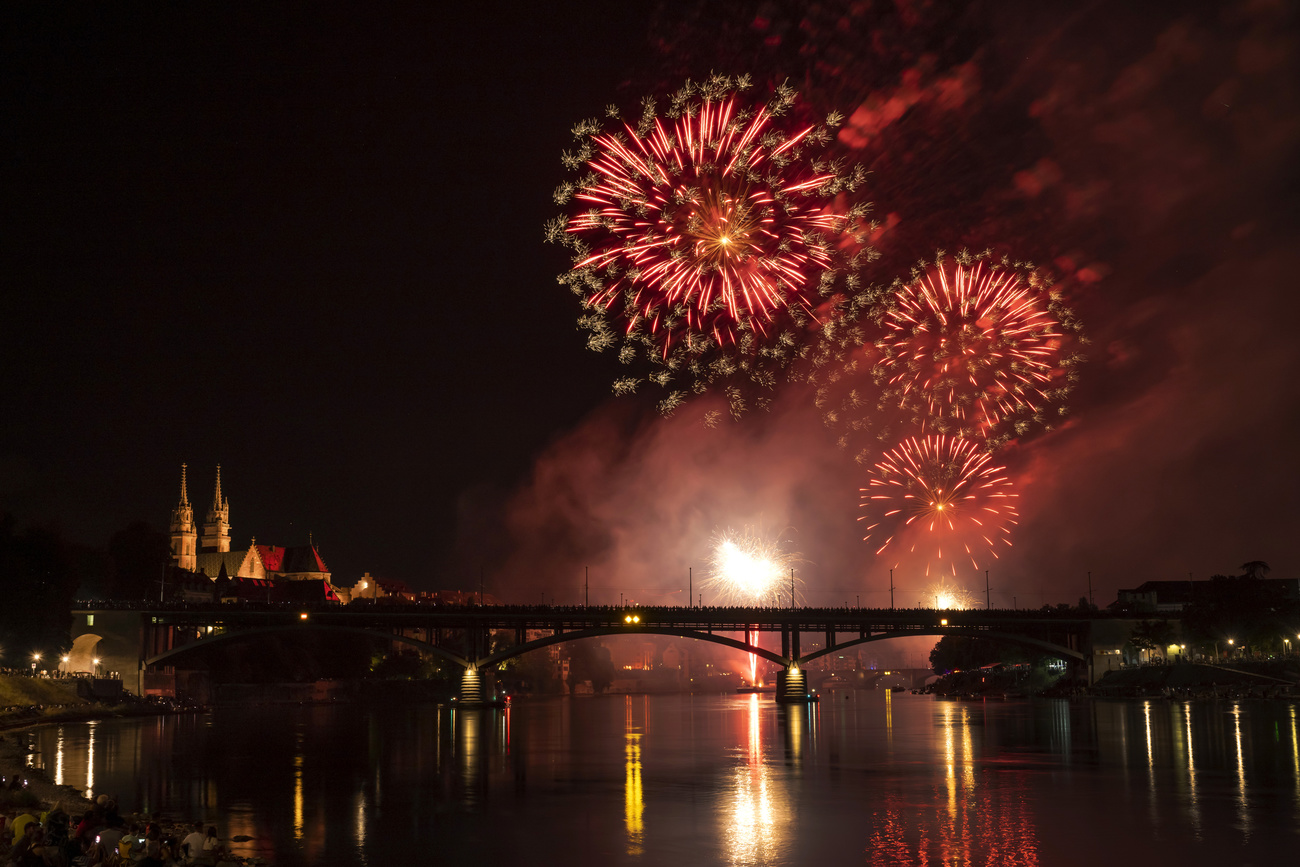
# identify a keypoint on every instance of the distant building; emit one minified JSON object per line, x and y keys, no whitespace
{"x":1168,"y":597}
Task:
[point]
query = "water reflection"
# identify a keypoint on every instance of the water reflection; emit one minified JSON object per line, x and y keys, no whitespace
{"x":633,"y":796}
{"x":899,"y":780}
{"x":1243,"y":814}
{"x":799,"y":725}
{"x":986,"y":818}
{"x":470,"y":756}
{"x":750,"y":833}
{"x":1193,"y":806}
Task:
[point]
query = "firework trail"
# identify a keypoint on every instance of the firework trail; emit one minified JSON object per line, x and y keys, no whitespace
{"x":943,"y":495}
{"x":748,"y":568}
{"x":707,"y":241}
{"x":977,"y":349}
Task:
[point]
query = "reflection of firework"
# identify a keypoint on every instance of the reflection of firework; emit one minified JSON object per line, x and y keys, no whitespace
{"x":976,"y":349}
{"x":746,"y":568}
{"x":946,"y":492}
{"x":706,"y":236}
{"x":948,"y":597}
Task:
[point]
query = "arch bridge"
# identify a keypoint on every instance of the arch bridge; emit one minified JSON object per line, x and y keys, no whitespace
{"x":146,"y":639}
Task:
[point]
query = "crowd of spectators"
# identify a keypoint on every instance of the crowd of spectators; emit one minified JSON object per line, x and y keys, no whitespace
{"x":101,"y":837}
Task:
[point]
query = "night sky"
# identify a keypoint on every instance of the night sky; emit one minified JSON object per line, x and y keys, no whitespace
{"x":306,"y":243}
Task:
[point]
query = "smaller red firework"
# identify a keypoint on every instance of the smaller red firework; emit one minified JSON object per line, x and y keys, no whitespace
{"x":940,"y":497}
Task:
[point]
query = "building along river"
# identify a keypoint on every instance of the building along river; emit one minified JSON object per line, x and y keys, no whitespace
{"x":863,"y":778}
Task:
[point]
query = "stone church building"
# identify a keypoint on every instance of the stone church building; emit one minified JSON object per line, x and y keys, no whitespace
{"x":211,"y":554}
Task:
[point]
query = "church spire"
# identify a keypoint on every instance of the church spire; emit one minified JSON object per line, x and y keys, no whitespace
{"x":217,"y":503}
{"x":184,"y":533}
{"x":216,"y":529}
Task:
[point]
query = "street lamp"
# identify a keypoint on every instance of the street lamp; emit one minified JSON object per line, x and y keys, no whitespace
{"x":36,"y":657}
{"x":95,"y":662}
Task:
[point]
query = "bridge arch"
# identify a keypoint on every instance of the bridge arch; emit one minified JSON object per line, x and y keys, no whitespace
{"x":1046,"y":646}
{"x":596,"y":632}
{"x":229,"y":636}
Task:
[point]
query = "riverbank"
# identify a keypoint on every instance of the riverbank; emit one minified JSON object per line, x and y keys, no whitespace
{"x":1262,"y":679}
{"x":29,"y":702}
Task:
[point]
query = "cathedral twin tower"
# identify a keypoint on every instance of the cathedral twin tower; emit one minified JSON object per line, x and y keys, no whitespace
{"x":184,"y":532}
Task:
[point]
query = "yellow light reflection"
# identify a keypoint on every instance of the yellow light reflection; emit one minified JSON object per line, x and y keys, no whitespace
{"x":633,"y":797}
{"x":58,"y":759}
{"x":360,"y":829}
{"x":297,"y":798}
{"x":1193,"y":806}
{"x":1151,"y":761}
{"x":1146,"y":715}
{"x":90,"y":759}
{"x":1243,"y":811}
{"x":889,"y":719}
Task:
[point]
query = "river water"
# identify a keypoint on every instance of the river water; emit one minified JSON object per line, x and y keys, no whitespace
{"x":872,"y":778}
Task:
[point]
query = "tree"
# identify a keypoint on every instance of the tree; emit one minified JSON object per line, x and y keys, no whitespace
{"x":591,"y":661}
{"x":39,"y":576}
{"x":1247,"y":609}
{"x":1255,"y":569}
{"x":139,"y":554}
{"x":958,"y":652}
{"x":1152,"y":635}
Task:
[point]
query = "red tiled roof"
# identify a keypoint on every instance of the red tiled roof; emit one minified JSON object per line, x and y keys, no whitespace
{"x":303,"y":558}
{"x":272,"y":557}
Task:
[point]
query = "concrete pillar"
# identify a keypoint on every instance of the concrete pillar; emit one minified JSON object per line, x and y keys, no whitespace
{"x":470,"y":693}
{"x":792,"y":687}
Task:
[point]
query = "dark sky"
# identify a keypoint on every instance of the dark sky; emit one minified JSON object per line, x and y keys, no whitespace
{"x":305,"y":243}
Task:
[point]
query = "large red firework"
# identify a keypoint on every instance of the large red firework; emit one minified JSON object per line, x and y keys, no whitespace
{"x":707,"y":240}
{"x":940,"y":497}
{"x":976,"y":349}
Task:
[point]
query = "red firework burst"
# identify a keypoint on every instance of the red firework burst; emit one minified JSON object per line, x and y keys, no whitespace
{"x":976,"y":349}
{"x":944,"y":495}
{"x":706,"y":239}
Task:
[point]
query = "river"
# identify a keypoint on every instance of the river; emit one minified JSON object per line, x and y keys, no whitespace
{"x":872,"y":778}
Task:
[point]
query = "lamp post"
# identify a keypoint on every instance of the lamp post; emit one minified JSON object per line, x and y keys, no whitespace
{"x":36,"y":657}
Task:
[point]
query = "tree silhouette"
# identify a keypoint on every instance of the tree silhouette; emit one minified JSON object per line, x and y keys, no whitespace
{"x":1152,"y":635}
{"x":1256,"y":569}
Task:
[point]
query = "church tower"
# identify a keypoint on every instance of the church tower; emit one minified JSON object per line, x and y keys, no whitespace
{"x":216,"y":528}
{"x":185,"y":536}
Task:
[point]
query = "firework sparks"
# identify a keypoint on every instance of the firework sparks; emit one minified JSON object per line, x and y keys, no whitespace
{"x":976,"y":349}
{"x":949,"y":597}
{"x":706,"y":240}
{"x":945,"y":496}
{"x":747,"y":568}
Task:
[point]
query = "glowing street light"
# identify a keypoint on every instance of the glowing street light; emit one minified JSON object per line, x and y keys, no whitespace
{"x":36,"y":657}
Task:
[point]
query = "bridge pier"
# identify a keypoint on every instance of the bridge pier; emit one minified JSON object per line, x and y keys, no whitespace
{"x":792,"y":686}
{"x":470,"y":692}
{"x":478,"y":688}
